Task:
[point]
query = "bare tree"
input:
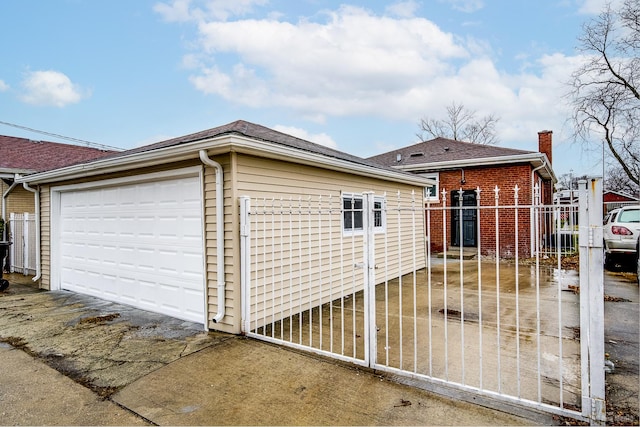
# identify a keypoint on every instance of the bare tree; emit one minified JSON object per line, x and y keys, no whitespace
{"x":618,"y":181}
{"x":460,"y":124}
{"x":569,"y":181}
{"x":604,"y":89}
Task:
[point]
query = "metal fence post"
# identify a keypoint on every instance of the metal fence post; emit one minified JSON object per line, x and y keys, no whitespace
{"x":368,"y":224}
{"x":592,"y":300}
{"x":245,"y":263}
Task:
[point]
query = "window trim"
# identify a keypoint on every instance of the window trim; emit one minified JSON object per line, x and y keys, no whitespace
{"x":436,"y":177}
{"x":380,"y":229}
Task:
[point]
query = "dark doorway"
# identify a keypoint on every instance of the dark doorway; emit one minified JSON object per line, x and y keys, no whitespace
{"x":469,"y":218}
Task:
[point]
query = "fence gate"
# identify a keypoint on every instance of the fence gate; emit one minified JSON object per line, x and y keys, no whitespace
{"x":22,"y":253}
{"x":372,"y":279}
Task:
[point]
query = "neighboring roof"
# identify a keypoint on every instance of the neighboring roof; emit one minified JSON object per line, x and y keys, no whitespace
{"x":241,"y":136}
{"x":626,"y":196}
{"x":443,"y":153}
{"x":21,"y":155}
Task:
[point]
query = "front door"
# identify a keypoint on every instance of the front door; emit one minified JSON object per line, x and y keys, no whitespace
{"x":469,"y":218}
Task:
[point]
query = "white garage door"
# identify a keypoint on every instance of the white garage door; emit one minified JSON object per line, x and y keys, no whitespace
{"x":139,"y":244}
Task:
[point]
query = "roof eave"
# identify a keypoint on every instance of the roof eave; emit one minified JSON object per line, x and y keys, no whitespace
{"x":220,"y":144}
{"x":535,"y":159}
{"x":11,"y":172}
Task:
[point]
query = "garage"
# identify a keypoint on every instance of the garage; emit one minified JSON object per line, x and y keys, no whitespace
{"x":135,"y":241}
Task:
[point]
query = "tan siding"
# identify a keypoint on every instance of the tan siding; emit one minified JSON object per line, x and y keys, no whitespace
{"x":325,"y":266}
{"x":45,"y":237}
{"x":257,"y":177}
{"x":20,"y":201}
{"x":231,"y":320}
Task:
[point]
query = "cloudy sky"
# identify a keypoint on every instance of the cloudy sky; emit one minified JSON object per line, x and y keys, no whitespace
{"x":355,"y":75}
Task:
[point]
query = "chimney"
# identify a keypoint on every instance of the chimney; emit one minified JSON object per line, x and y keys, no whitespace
{"x":545,"y":145}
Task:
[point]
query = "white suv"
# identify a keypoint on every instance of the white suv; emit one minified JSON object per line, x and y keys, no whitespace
{"x":621,"y":231}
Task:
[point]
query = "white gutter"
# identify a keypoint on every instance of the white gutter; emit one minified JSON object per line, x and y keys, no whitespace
{"x":487,"y":161}
{"x":220,"y":144}
{"x":36,"y":193}
{"x":219,"y":233}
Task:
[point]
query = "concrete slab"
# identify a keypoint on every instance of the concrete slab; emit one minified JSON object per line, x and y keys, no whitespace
{"x":453,"y":252}
{"x":172,"y":372}
{"x":31,"y":393}
{"x":245,"y":382}
{"x":97,"y":343}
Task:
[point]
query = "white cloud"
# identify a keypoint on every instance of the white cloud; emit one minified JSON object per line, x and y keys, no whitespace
{"x":467,"y":6}
{"x":176,"y":11}
{"x":3,"y":86}
{"x":318,"y":138}
{"x":198,"y":10}
{"x":594,"y":7}
{"x":51,"y":88}
{"x":403,"y":9}
{"x":353,"y":62}
{"x":350,"y":62}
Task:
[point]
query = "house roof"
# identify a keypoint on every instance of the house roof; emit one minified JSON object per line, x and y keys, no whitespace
{"x":253,"y":131}
{"x":240,"y":136}
{"x":629,"y":197}
{"x":21,"y":155}
{"x":441,"y":150}
{"x":443,"y":153}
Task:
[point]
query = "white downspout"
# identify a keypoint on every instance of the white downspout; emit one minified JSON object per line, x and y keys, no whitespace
{"x":36,"y":193}
{"x":219,"y":233}
{"x":531,"y":219}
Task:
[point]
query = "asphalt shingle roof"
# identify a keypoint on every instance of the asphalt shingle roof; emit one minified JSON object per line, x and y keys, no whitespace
{"x":257,"y":132}
{"x":26,"y":156}
{"x":442,"y":150}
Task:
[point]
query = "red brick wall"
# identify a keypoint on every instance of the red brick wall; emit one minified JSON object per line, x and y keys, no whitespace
{"x":486,"y":178}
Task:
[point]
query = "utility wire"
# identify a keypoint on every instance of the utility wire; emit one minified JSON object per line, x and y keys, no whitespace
{"x":68,"y":138}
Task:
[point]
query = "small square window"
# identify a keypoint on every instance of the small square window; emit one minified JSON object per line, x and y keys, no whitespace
{"x":352,"y":214}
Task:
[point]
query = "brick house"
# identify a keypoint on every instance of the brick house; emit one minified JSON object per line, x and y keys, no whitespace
{"x":461,"y":166}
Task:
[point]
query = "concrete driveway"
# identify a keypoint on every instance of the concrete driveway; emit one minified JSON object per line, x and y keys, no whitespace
{"x":622,"y":343}
{"x":77,"y":360}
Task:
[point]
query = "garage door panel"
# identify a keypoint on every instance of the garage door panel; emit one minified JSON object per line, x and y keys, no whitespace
{"x":139,"y":244}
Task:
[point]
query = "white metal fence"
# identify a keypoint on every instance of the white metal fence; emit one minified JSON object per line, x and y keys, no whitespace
{"x":356,"y":277}
{"x":609,"y":206}
{"x":559,"y":227}
{"x":22,"y":233}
